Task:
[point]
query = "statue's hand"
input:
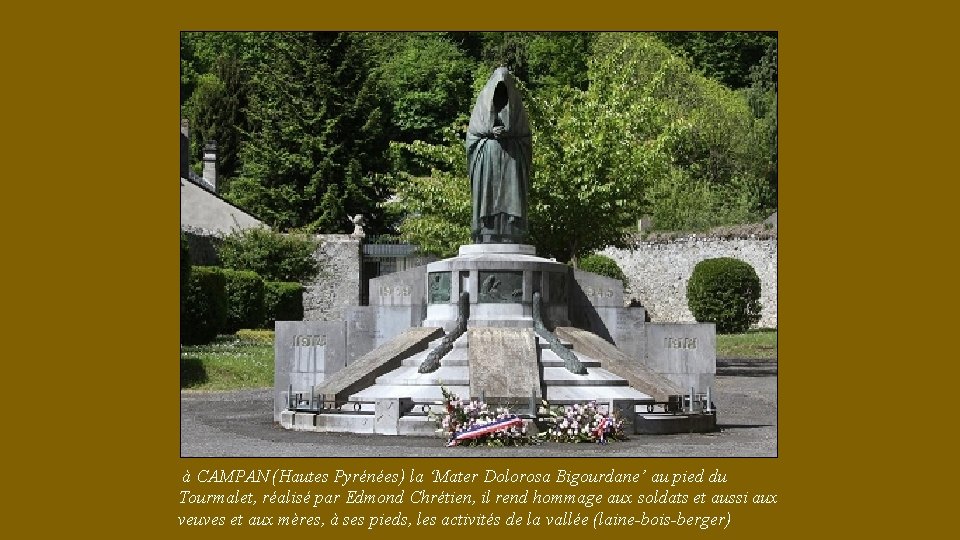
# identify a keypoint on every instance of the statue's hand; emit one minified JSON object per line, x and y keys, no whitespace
{"x":498,"y":131}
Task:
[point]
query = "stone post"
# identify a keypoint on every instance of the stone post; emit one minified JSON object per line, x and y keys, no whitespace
{"x":210,"y":165}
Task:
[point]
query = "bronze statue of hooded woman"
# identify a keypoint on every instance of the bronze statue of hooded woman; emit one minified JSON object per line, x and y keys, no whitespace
{"x":499,"y":161}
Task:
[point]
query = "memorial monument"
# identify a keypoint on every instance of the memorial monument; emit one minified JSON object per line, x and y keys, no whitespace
{"x":495,"y":322}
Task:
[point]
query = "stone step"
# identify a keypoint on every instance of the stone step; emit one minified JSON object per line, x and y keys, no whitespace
{"x":460,"y":343}
{"x":409,"y":376}
{"x":416,"y":359}
{"x":594,"y":393}
{"x":544,"y":344}
{"x":560,"y":376}
{"x":416,"y":393}
{"x":548,"y":358}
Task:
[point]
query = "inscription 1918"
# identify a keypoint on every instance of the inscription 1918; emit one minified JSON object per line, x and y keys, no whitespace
{"x":309,"y":340}
{"x":680,"y":343}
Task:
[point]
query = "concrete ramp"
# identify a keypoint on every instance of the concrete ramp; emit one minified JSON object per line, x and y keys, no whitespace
{"x":503,"y":363}
{"x":617,"y":362}
{"x":364,"y":371}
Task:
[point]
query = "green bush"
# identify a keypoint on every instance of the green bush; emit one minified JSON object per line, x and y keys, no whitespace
{"x":275,"y":256}
{"x":245,"y":295}
{"x":725,"y":291}
{"x":259,"y":336}
{"x":184,"y":267}
{"x":603,"y":265}
{"x":205,"y":306}
{"x":284,"y":302}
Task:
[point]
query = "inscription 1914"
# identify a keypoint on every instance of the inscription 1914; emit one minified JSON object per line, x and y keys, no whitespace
{"x":680,"y":343}
{"x":309,"y":340}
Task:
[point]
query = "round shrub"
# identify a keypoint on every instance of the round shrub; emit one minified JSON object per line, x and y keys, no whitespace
{"x":205,"y":306}
{"x":283,"y":301}
{"x":245,"y":296}
{"x":603,"y":265}
{"x":725,"y":291}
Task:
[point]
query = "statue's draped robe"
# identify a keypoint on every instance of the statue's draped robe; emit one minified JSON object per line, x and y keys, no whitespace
{"x":499,"y":167}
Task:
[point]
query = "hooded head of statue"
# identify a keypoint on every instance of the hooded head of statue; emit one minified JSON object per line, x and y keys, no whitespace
{"x":499,"y":161}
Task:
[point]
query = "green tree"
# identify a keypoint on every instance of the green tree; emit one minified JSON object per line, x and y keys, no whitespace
{"x":727,"y":57}
{"x":434,"y":207}
{"x":649,"y":134}
{"x":316,"y":126}
{"x":586,"y":180}
{"x":427,"y":80}
{"x":716,"y":161}
{"x":216,"y":112}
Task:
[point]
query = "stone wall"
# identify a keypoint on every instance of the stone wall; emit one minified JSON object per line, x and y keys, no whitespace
{"x":203,"y":248}
{"x":659,"y":271}
{"x":337,"y":285}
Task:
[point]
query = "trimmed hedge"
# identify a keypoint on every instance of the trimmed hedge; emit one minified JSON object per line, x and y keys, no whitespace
{"x":245,"y":300}
{"x":283,"y":301}
{"x":275,"y":256}
{"x":725,"y":291}
{"x":603,"y":265}
{"x":184,"y":267}
{"x":205,"y":306}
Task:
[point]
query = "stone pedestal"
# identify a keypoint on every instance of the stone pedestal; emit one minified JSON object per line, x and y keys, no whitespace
{"x":501,"y":280}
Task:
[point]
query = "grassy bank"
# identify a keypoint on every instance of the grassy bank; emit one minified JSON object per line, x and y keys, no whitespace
{"x":760,"y":344}
{"x":231,"y":362}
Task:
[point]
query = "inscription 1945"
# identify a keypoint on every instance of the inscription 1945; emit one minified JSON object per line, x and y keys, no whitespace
{"x":680,"y":343}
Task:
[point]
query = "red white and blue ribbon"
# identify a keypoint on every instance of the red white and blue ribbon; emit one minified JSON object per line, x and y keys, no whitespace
{"x":479,"y":431}
{"x":601,"y":430}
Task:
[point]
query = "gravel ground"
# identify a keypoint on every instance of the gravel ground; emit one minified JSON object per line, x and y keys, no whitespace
{"x":240,"y":424}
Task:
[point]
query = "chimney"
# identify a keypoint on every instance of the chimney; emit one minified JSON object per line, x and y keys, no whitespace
{"x":184,"y":148}
{"x":210,"y":165}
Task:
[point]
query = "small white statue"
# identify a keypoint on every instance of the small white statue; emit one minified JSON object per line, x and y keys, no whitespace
{"x":357,"y":221}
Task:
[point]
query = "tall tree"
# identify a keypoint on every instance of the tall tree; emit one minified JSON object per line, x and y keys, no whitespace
{"x":725,"y":56}
{"x":216,"y":112}
{"x":317,"y":137}
{"x":427,"y":80}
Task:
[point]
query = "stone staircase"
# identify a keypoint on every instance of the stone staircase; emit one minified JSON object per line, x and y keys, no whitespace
{"x":561,"y":385}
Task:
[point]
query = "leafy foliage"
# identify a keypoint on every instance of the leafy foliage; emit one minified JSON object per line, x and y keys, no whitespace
{"x":317,"y":134}
{"x":436,"y":207}
{"x":709,"y":163}
{"x":725,"y":291}
{"x":272,"y":255}
{"x":205,"y":306}
{"x":184,"y":267}
{"x":725,"y":56}
{"x":427,"y":80}
{"x":283,"y":301}
{"x":623,"y":124}
{"x":245,"y":307}
{"x":215,"y":110}
{"x":603,"y":265}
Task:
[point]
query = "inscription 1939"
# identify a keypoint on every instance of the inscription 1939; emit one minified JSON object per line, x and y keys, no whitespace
{"x":396,"y":290}
{"x":680,"y":343}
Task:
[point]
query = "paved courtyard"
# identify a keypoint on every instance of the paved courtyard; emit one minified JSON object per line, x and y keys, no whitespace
{"x":240,"y":424}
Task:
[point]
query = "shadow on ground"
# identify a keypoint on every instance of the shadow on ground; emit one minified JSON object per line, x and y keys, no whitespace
{"x":192,"y":372}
